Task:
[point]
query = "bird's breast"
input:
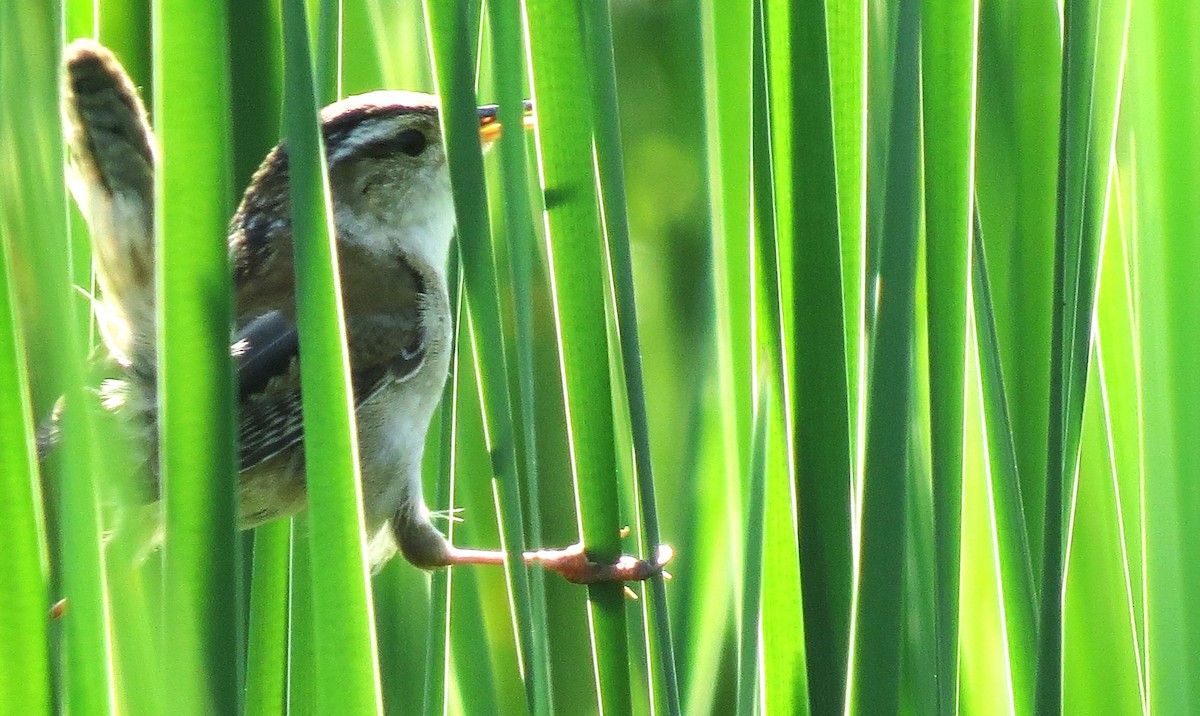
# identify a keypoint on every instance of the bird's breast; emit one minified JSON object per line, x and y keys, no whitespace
{"x":392,"y":430}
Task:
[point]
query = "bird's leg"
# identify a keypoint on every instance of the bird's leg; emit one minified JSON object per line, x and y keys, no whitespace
{"x":424,"y":546}
{"x":573,"y":563}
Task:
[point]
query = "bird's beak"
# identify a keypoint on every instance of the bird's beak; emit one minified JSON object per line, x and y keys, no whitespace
{"x":489,"y":122}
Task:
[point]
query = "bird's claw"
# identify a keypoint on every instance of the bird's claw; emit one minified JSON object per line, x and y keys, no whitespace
{"x":575,"y":566}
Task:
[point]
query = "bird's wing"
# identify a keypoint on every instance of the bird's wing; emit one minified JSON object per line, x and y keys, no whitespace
{"x":267,"y":354}
{"x":383,"y":348}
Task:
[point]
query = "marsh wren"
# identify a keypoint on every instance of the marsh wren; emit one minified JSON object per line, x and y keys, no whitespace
{"x":393,"y":212}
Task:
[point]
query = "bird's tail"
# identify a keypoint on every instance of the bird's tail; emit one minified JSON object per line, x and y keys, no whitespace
{"x":112,"y":177}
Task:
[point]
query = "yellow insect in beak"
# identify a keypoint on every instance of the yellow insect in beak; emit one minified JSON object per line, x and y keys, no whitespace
{"x":489,"y":122}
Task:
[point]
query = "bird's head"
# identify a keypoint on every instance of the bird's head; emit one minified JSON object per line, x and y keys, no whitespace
{"x":388,"y":178}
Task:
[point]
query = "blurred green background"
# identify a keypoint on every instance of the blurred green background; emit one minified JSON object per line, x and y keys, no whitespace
{"x":914,"y":285}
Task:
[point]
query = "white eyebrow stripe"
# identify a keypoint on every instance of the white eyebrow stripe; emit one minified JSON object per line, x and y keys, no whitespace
{"x":369,"y":131}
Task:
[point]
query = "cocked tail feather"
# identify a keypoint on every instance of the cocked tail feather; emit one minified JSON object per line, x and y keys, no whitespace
{"x":112,"y":159}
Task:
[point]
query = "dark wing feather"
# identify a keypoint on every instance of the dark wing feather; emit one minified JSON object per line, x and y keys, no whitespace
{"x":383,"y":348}
{"x":268,"y":425}
{"x":267,"y":353}
{"x":263,"y":348}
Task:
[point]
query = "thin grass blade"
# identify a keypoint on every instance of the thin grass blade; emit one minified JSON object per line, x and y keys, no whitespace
{"x":301,"y":646}
{"x":453,"y":32}
{"x":873,"y":682}
{"x":611,"y":175}
{"x":35,"y":228}
{"x":784,"y":686}
{"x":256,"y":97}
{"x":1102,"y":668}
{"x":437,"y":648}
{"x":1091,"y":83}
{"x":575,"y":247}
{"x":949,"y":51}
{"x":750,"y":632}
{"x":1164,"y":110}
{"x":1017,"y":157}
{"x":1012,"y":527}
{"x":267,"y":640}
{"x":509,"y":72}
{"x":846,"y":26}
{"x":195,"y":390}
{"x":807,"y":180}
{"x":722,"y":401}
{"x":347,"y":666}
{"x":25,"y":657}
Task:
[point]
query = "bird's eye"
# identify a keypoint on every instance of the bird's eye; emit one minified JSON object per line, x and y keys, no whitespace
{"x":410,"y":141}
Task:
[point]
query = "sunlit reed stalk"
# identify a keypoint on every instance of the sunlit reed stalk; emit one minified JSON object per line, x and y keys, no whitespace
{"x":347,"y":665}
